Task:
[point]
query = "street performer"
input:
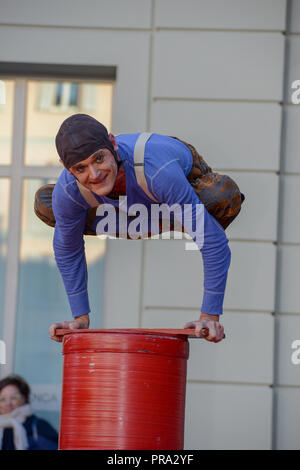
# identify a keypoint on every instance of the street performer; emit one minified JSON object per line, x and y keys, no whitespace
{"x":102,"y":170}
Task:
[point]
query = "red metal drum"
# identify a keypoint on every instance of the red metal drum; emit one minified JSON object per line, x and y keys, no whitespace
{"x":123,"y":389}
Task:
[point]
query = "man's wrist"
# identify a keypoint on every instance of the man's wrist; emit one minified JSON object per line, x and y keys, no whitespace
{"x":207,"y":316}
{"x":84,"y":317}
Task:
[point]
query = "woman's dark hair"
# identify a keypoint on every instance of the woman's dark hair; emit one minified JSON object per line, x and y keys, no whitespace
{"x":18,"y":382}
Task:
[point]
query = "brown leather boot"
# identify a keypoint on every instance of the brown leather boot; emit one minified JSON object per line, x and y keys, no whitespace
{"x":220,"y":194}
{"x":43,"y":209}
{"x":43,"y":204}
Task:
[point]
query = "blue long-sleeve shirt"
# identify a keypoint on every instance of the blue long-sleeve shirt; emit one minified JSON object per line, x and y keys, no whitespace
{"x":167,"y":163}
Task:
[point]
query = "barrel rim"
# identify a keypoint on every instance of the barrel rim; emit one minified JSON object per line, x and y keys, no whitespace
{"x":188,"y":333}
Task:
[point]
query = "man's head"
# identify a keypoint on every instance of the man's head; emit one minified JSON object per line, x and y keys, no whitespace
{"x":88,"y":152}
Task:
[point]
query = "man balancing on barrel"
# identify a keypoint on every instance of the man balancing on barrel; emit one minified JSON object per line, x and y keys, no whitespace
{"x":103,"y":172}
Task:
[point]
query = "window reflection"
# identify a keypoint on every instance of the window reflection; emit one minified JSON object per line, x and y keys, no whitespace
{"x":42,"y":299}
{"x":49,"y":103}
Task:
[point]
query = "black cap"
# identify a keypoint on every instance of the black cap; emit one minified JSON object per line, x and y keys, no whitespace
{"x":79,"y":136}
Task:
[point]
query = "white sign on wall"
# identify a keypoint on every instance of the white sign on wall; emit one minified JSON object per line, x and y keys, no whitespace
{"x":2,"y":92}
{"x":2,"y":352}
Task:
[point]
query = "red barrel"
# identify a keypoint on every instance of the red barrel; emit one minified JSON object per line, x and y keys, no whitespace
{"x":123,"y":389}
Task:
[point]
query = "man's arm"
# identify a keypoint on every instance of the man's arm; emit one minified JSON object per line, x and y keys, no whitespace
{"x":69,"y":254}
{"x":216,"y":256}
{"x":171,"y":187}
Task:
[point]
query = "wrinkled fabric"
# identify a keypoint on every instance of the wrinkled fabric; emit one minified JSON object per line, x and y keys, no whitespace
{"x":15,"y":420}
{"x":219,"y":193}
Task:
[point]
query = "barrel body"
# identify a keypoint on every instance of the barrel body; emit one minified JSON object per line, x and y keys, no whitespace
{"x":123,"y":391}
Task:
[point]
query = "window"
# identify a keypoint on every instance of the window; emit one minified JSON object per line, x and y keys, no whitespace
{"x":49,"y":103}
{"x":29,"y":279}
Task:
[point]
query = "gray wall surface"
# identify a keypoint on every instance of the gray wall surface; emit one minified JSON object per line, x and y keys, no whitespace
{"x":216,"y":73}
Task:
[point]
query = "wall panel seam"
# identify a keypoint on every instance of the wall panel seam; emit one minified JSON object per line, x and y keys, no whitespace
{"x":229,"y":383}
{"x":86,"y":28}
{"x":135,"y":29}
{"x":285,"y":99}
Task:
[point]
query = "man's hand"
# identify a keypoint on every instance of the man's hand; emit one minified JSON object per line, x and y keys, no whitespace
{"x":208,"y":326}
{"x":82,"y":322}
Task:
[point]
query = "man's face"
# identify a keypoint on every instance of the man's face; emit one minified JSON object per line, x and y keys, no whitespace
{"x":98,"y":172}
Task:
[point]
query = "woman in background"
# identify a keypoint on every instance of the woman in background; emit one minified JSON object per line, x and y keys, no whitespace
{"x":20,"y":429}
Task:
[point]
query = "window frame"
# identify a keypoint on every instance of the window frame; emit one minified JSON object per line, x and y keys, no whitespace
{"x":17,"y":172}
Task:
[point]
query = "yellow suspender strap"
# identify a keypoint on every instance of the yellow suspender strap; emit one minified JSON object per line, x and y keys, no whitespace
{"x":138,"y":157}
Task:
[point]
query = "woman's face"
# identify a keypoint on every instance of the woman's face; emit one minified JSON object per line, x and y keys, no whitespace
{"x":10,"y":399}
